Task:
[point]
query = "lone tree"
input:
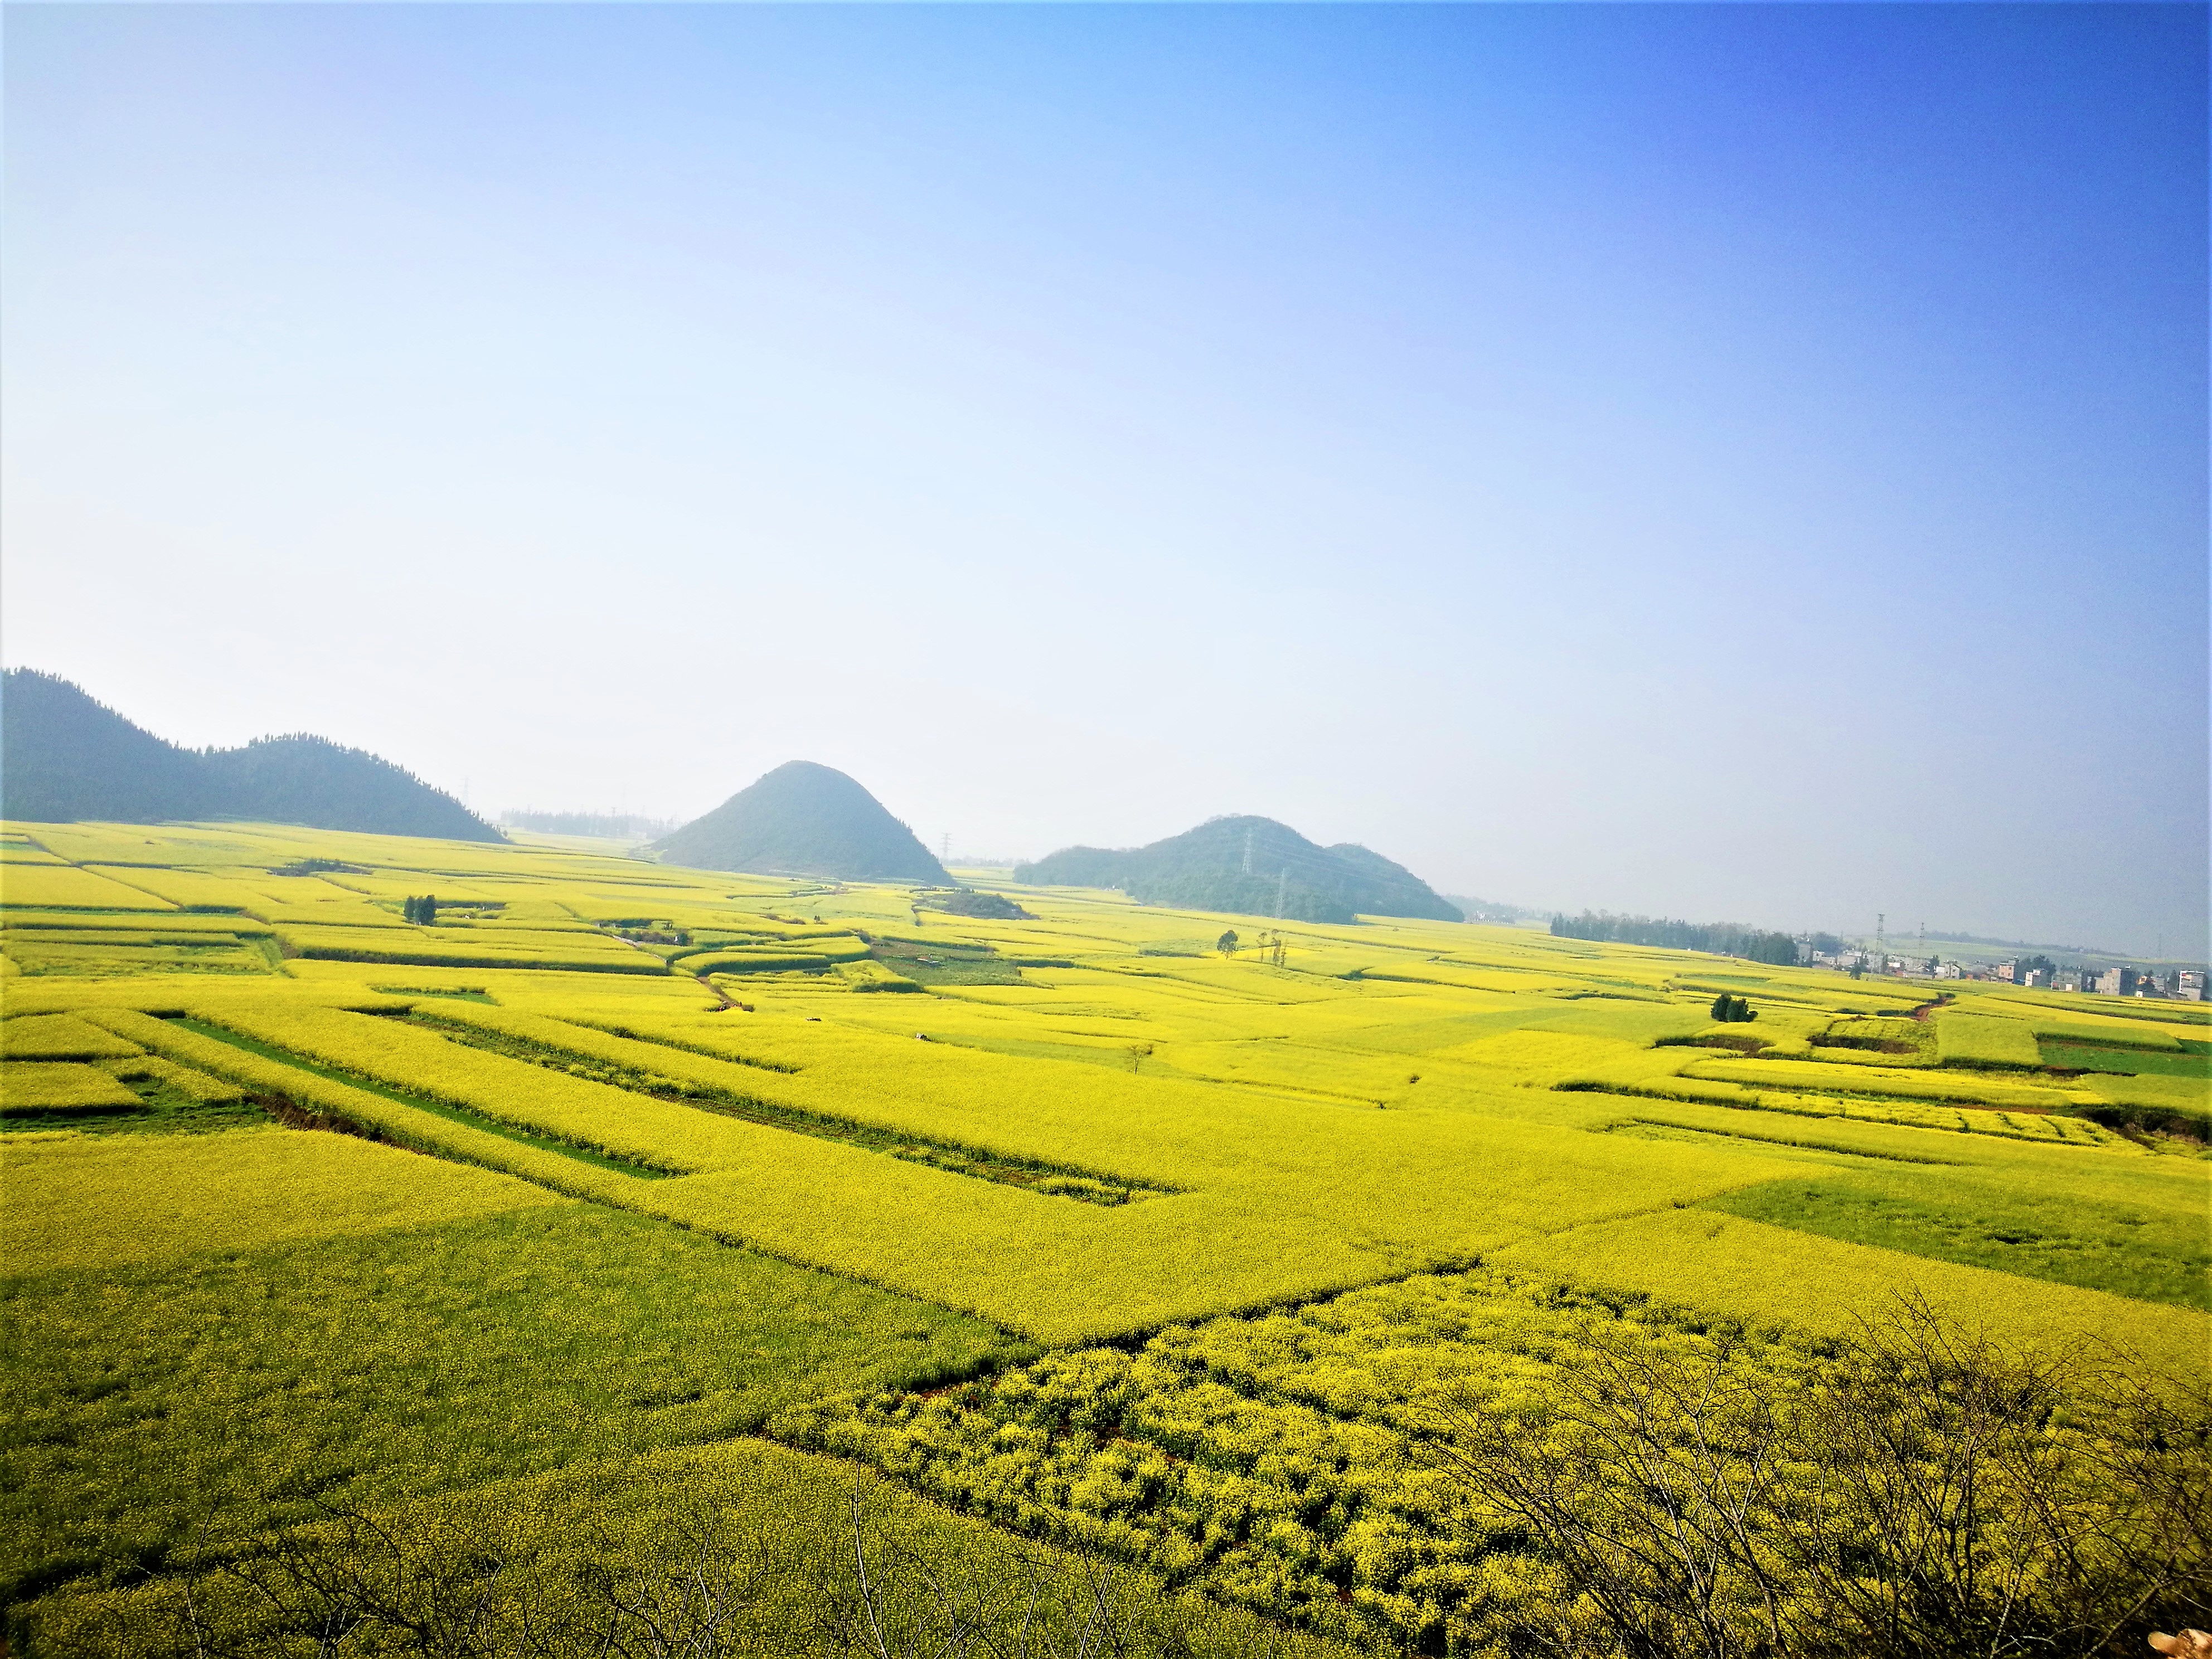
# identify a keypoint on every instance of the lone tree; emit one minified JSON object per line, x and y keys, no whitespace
{"x":1731,"y":1010}
{"x":1227,"y":943}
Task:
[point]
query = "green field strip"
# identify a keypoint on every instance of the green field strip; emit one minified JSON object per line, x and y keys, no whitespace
{"x":433,"y":1353}
{"x":167,"y":1099}
{"x":456,"y":994}
{"x":1977,"y":1089}
{"x":2066,"y":1239}
{"x":2073,"y":1128}
{"x":2075,"y":1055}
{"x":1775,"y":1141}
{"x":463,"y":957}
{"x":1736,"y":1266}
{"x":1051,"y":1180}
{"x":438,"y":1109}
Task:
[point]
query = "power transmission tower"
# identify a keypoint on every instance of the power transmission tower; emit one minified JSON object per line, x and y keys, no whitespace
{"x":1282,"y":886}
{"x":1882,"y":942}
{"x":944,"y":848}
{"x":1248,"y":852}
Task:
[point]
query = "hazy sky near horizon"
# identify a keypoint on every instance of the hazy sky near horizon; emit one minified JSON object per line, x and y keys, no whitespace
{"x":1741,"y":461}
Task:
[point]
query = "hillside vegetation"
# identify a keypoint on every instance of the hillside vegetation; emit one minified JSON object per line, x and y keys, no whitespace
{"x":803,"y":819}
{"x":1249,"y":866}
{"x":64,"y":757}
{"x":537,"y":1267}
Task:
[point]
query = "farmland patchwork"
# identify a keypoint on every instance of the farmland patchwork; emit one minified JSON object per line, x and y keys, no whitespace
{"x":1072,"y":1221}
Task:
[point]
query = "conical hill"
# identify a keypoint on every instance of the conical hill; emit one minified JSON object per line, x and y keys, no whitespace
{"x":805,"y":820}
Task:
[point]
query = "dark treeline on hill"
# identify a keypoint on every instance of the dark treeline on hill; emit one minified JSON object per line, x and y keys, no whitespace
{"x":1248,"y":866}
{"x":1723,"y":938}
{"x":65,"y":759}
{"x":805,"y":820}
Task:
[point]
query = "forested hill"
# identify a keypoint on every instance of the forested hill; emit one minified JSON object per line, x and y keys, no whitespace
{"x":1248,"y":866}
{"x":808,"y":820}
{"x":65,"y":758}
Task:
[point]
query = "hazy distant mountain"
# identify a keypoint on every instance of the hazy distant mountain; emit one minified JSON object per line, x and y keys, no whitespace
{"x":807,"y":820}
{"x":1248,"y":866}
{"x":612,"y":826}
{"x":65,"y":758}
{"x":1494,"y":910}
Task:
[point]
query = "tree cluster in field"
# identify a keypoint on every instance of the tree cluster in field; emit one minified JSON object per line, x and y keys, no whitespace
{"x":1725,"y":938}
{"x":1732,"y":1010}
{"x":967,"y":902}
{"x":422,"y":911}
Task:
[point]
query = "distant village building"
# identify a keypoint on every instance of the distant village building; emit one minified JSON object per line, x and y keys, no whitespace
{"x":2188,"y":983}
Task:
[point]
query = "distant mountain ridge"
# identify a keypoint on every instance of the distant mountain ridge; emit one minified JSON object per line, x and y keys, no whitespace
{"x":1248,"y":866}
{"x":66,"y":758}
{"x":802,"y":819}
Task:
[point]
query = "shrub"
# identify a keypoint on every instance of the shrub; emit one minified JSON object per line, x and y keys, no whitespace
{"x":1929,"y":1493}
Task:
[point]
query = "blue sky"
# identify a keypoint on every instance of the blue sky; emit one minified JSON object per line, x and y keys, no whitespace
{"x":1736,"y":461}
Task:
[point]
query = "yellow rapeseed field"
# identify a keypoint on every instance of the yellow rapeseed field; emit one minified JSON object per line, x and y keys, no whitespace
{"x":95,"y":1202}
{"x":1080,"y":1156}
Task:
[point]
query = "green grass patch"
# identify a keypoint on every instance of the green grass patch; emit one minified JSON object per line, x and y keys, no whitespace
{"x":2126,"y":1062}
{"x":230,"y":1387}
{"x":1984,"y":1040}
{"x":457,"y":993}
{"x":95,"y":958}
{"x":533,"y":1562}
{"x":2066,"y":1238}
{"x":162,"y":1109}
{"x":942,"y":964}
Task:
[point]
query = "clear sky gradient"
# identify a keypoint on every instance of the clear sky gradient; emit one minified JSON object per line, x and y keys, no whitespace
{"x":1739,"y":461}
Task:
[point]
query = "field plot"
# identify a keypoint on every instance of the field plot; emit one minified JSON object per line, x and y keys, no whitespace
{"x":67,"y":887}
{"x":1074,"y":1224}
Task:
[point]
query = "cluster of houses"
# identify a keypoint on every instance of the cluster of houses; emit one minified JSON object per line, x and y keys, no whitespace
{"x":2183,"y":984}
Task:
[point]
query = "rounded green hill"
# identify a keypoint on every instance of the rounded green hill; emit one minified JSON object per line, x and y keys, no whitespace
{"x":1248,"y":866}
{"x":807,"y":820}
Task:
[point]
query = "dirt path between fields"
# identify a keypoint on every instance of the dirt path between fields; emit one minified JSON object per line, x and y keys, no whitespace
{"x":720,"y":996}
